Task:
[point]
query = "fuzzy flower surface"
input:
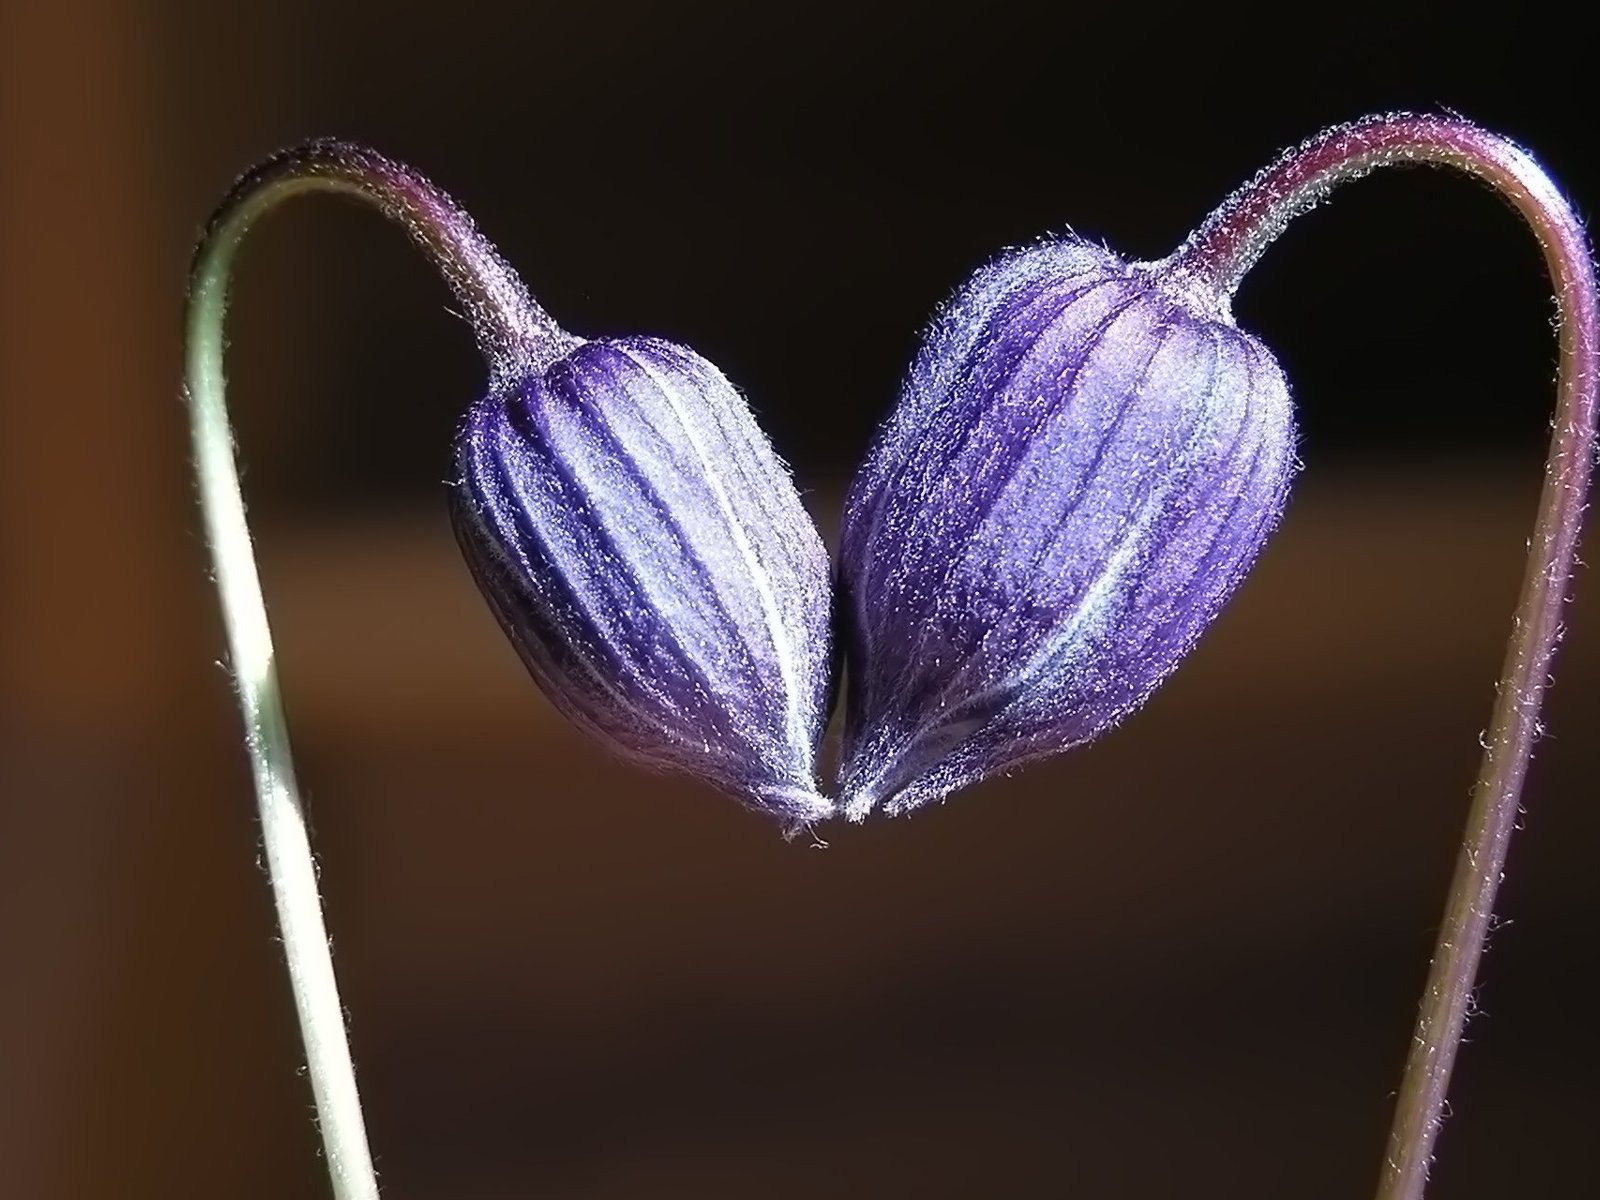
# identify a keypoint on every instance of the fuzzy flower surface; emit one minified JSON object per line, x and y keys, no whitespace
{"x":1086,"y":456}
{"x":653,"y":565}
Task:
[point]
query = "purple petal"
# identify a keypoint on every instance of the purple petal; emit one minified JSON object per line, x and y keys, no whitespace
{"x":650,"y":559}
{"x":1082,"y":466}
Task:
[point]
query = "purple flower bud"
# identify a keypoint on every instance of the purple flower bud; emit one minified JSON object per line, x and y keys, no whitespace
{"x":1086,"y":457}
{"x":651,"y":561}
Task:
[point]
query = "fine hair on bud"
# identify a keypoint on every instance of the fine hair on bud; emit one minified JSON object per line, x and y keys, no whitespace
{"x":651,"y":561}
{"x":1086,"y":456}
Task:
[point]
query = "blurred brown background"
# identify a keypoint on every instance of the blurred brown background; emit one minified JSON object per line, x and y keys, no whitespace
{"x":1181,"y":963}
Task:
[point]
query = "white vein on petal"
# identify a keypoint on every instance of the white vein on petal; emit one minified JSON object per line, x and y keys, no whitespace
{"x":799,"y":735}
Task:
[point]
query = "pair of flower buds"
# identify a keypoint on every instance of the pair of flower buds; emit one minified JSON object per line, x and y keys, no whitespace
{"x":1085,"y":458}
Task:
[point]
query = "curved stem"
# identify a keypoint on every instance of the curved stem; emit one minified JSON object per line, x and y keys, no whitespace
{"x":1217,"y":256}
{"x":515,"y":334}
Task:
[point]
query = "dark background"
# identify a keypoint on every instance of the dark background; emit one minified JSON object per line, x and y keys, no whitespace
{"x":1181,"y":962}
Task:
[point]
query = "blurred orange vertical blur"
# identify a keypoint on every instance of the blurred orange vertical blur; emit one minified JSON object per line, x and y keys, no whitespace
{"x":120,"y":931}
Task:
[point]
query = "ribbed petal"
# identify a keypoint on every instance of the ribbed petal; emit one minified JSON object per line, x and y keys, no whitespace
{"x":651,"y":561}
{"x":1081,"y":468}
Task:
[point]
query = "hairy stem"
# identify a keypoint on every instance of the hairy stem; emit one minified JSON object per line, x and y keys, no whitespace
{"x":1217,"y":257}
{"x":514,"y":334}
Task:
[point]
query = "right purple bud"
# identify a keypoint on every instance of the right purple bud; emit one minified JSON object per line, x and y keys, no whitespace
{"x":1085,"y":459}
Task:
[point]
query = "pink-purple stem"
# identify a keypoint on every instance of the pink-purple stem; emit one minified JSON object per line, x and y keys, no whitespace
{"x":514,"y":333}
{"x":1217,"y":257}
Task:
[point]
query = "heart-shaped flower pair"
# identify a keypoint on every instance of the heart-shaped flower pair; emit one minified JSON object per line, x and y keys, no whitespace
{"x":1085,"y":459}
{"x":1086,"y":456}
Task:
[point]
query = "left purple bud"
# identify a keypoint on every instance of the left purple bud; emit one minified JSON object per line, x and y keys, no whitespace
{"x":651,"y":561}
{"x":639,"y":541}
{"x":630,"y":526}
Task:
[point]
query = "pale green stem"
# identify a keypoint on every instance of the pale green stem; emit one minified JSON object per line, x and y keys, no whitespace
{"x":515,"y":335}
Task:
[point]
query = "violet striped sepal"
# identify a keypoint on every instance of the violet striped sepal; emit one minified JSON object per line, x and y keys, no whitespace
{"x":1086,"y":456}
{"x":651,"y":561}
